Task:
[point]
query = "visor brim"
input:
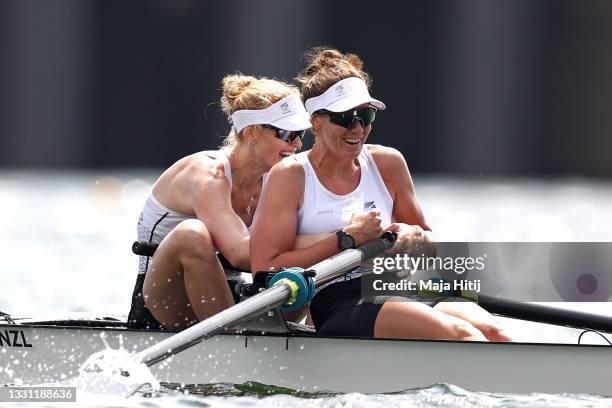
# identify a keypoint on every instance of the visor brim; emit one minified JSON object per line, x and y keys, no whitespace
{"x":293,"y":123}
{"x":350,"y":103}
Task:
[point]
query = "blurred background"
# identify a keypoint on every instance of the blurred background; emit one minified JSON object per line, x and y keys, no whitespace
{"x":503,"y":110}
{"x":473,"y":86}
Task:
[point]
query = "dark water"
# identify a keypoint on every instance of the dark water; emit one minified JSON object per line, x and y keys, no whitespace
{"x":440,"y":395}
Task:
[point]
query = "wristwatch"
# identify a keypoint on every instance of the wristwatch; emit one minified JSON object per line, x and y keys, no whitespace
{"x":345,"y":240}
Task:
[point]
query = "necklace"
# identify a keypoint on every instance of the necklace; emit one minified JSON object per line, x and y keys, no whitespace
{"x":317,"y":167}
{"x":239,"y":183}
{"x":248,"y":209}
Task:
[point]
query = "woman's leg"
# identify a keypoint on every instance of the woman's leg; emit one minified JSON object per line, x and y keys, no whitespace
{"x":185,"y":282}
{"x":477,"y":316}
{"x":414,"y":320}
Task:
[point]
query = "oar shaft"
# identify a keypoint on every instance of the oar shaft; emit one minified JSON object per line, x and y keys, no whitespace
{"x":545,"y":314}
{"x":337,"y":265}
{"x":351,"y":258}
{"x":258,"y":304}
{"x":213,"y":325}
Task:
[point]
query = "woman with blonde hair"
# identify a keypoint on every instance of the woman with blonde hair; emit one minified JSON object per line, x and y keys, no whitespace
{"x":342,"y":193}
{"x":200,"y":209}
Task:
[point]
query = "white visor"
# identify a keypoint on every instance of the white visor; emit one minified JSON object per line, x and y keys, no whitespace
{"x":342,"y":96}
{"x":287,"y":114}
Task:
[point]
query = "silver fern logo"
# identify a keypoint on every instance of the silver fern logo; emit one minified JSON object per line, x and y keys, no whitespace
{"x":369,"y":205}
{"x":340,"y":90}
{"x":285,"y":108}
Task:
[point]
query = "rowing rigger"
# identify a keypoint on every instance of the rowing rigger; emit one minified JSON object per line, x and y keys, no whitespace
{"x":294,"y":357}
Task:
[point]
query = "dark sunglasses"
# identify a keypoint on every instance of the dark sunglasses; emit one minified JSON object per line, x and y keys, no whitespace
{"x":347,"y":118}
{"x":287,"y":136}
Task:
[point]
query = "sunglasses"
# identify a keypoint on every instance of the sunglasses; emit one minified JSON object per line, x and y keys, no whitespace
{"x":287,"y":136}
{"x":347,"y":118}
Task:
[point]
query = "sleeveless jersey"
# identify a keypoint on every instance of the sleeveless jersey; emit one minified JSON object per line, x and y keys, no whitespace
{"x":325,"y":212}
{"x":156,"y":221}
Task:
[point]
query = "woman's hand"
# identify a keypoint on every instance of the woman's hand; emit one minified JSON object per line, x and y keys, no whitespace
{"x":410,"y":239}
{"x":364,"y":226}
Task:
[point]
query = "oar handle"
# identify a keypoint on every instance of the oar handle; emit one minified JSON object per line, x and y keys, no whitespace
{"x":144,"y":248}
{"x":376,"y":247}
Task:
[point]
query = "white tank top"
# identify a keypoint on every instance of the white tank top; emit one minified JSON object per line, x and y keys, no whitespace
{"x":325,"y":212}
{"x":156,"y":221}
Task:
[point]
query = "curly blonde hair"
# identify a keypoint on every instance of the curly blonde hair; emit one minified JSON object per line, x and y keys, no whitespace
{"x":249,"y":92}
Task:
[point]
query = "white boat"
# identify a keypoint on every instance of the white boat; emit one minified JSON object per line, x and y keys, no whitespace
{"x":263,"y":348}
{"x":35,"y":352}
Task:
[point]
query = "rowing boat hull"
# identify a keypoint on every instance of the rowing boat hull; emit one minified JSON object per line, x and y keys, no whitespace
{"x":47,"y":354}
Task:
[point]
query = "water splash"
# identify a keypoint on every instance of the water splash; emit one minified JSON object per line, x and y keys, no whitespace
{"x":114,"y":372}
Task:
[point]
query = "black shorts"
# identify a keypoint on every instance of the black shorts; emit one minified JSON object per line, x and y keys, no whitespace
{"x":341,"y":310}
{"x":141,"y":318}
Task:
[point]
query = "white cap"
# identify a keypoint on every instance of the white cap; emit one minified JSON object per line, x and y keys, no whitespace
{"x":342,"y":96}
{"x":288,"y":114}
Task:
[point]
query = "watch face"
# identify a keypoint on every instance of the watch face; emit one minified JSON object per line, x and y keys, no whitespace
{"x":346,"y":242}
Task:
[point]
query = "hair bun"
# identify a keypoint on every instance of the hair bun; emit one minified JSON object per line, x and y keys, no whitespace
{"x":326,"y":66}
{"x":355,"y":61}
{"x":233,"y":87}
{"x":252,"y":93}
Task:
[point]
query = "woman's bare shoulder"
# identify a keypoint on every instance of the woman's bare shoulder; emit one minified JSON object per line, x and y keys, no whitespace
{"x":386,"y":158}
{"x":197,"y":166}
{"x":192,"y":172}
{"x":290,"y":167}
{"x":286,"y":176}
{"x":378,"y":150}
{"x":207,"y":163}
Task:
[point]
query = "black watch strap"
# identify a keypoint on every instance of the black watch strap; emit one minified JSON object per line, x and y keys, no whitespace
{"x":345,"y":240}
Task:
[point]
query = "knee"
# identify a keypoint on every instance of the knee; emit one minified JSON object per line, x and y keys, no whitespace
{"x":150,"y":294}
{"x":194,"y":238}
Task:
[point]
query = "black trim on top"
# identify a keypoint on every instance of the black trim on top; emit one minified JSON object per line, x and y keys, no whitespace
{"x":151,"y":237}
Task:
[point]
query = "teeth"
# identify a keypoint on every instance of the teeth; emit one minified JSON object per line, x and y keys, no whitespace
{"x":286,"y":154}
{"x":352,"y":140}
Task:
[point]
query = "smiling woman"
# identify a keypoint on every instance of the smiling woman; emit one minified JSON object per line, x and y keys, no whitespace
{"x":199,"y":209}
{"x":342,"y":193}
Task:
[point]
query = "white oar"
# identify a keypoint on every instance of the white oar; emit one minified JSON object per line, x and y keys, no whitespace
{"x":270,"y":298}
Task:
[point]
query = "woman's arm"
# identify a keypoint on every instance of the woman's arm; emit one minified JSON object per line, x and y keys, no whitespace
{"x":394,"y":171}
{"x":211,"y":199}
{"x":275,"y":224}
{"x":406,"y":208}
